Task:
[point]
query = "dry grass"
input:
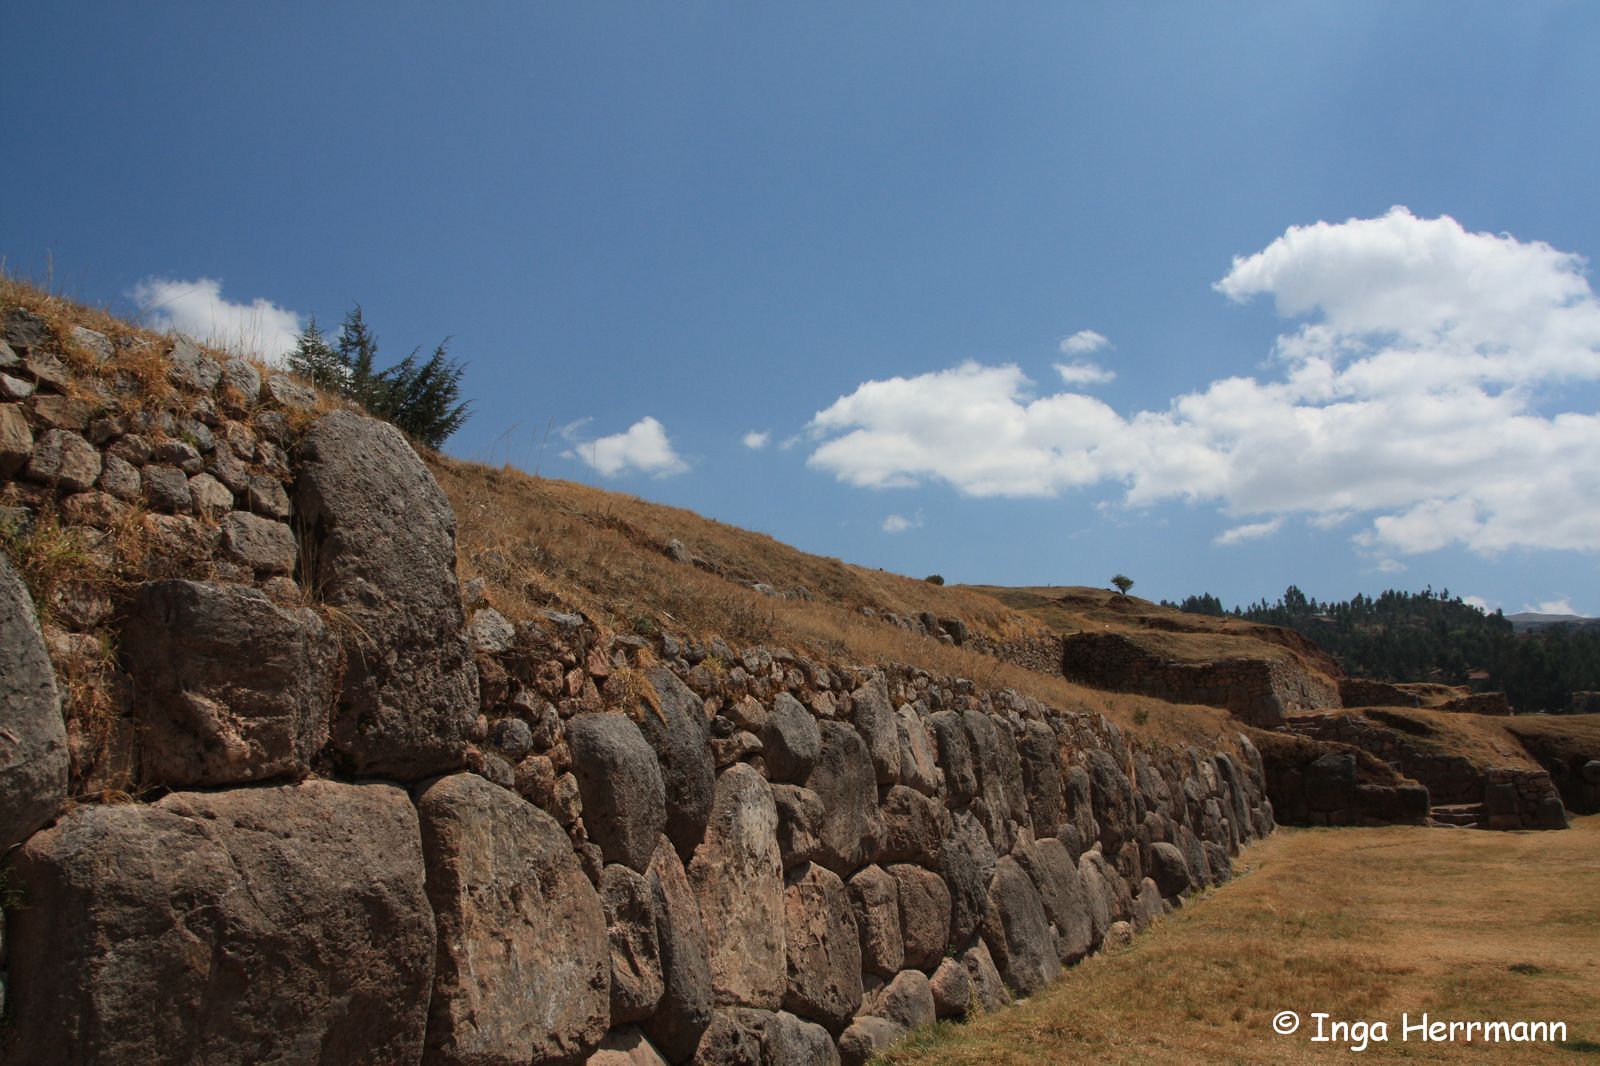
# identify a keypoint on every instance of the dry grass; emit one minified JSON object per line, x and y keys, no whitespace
{"x":1164,"y":630}
{"x":1364,"y":924}
{"x":541,"y":543}
{"x":1489,"y":740}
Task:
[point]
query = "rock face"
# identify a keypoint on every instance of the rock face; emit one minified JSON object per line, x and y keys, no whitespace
{"x":738,"y":880}
{"x":824,"y":953}
{"x":1017,"y":931}
{"x":524,"y":966}
{"x":382,"y":540}
{"x":624,"y":800}
{"x":270,"y":924}
{"x":844,"y":779}
{"x":33,"y":738}
{"x":681,"y":737}
{"x":685,"y":1007}
{"x":632,"y":914}
{"x":229,"y":687}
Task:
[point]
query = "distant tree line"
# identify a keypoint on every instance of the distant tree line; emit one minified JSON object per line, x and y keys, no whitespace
{"x":1432,"y":636}
{"x":421,"y":397}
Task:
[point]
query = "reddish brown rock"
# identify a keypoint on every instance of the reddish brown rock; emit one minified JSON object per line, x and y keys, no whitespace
{"x":522,"y":976}
{"x":685,"y":1006}
{"x":875,"y":901}
{"x":924,"y":915}
{"x":824,"y":951}
{"x":282,"y":924}
{"x":738,"y":880}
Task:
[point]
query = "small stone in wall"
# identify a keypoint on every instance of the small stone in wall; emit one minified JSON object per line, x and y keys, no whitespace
{"x":166,"y":489}
{"x":490,"y":631}
{"x":191,"y":368}
{"x":16,"y":439}
{"x":265,"y":546}
{"x":284,"y":391}
{"x":64,"y":459}
{"x":210,"y":497}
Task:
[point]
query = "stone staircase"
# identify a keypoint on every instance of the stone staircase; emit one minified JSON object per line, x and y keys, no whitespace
{"x":1460,"y":816}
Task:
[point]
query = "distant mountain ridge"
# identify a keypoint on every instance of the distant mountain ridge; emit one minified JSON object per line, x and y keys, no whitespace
{"x":1527,"y":620}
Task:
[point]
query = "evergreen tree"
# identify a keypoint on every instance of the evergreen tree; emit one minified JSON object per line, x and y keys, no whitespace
{"x":421,"y":399}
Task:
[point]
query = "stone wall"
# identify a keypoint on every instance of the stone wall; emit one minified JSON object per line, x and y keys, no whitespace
{"x":1531,"y":803}
{"x":355,"y":821}
{"x":1323,"y":783}
{"x":1257,"y":691}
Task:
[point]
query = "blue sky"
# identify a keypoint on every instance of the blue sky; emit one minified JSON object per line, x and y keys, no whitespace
{"x":656,"y":232}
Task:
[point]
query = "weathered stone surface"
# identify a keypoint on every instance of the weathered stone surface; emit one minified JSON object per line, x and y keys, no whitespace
{"x":228,"y":687}
{"x":210,"y":497}
{"x":852,"y":830}
{"x":789,"y":1039}
{"x":178,"y":453}
{"x":1169,"y":869}
{"x":624,"y":800}
{"x":625,"y":1047}
{"x":283,"y":924}
{"x":799,"y":824}
{"x":120,"y":478}
{"x":16,"y":439}
{"x":268,"y":547}
{"x":967,"y":862}
{"x":732,"y":1039}
{"x":875,"y":901}
{"x":284,"y":391}
{"x":790,"y":740}
{"x":1113,"y":800}
{"x":682,"y":746}
{"x":907,"y":1000}
{"x":93,"y":343}
{"x":1055,"y":874}
{"x":951,"y":986}
{"x":491,"y":632}
{"x":33,"y":738}
{"x":824,"y":951}
{"x":191,"y":368}
{"x":867,"y":1036}
{"x":915,"y":827}
{"x":1099,"y":892}
{"x":875,"y":721}
{"x":383,"y":551}
{"x":924,"y":914}
{"x":919,"y":753}
{"x":242,"y":378}
{"x":28,"y":329}
{"x":632,"y":913}
{"x":991,"y":805}
{"x":64,"y":459}
{"x":1041,"y":776}
{"x":738,"y":880}
{"x":522,"y":975}
{"x":1017,"y":931}
{"x":166,"y":488}
{"x":1147,"y":906}
{"x":988,"y":989}
{"x":61,"y":412}
{"x":1080,"y":804}
{"x":686,"y":998}
{"x":263,"y":494}
{"x":955,"y":756}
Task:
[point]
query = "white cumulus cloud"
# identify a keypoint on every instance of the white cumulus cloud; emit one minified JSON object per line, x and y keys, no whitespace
{"x":1422,"y":396}
{"x":642,"y":447}
{"x":756,"y":439}
{"x":896,"y":523}
{"x":197,"y":308}
{"x":1559,"y":606}
{"x":1083,"y":342}
{"x":1084,"y":373}
{"x":1250,"y":531}
{"x":1479,"y":602}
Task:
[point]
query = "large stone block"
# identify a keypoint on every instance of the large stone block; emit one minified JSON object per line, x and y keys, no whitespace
{"x":681,"y":736}
{"x":852,"y":830}
{"x":875,"y":900}
{"x":624,"y":800}
{"x":228,"y":686}
{"x":1054,"y":873}
{"x":737,"y":875}
{"x":685,"y":1006}
{"x":33,"y":737}
{"x":632,"y":914}
{"x":875,"y":721}
{"x":278,"y":924}
{"x":523,"y":971}
{"x":824,"y":951}
{"x":790,"y":741}
{"x":1017,"y":931}
{"x":382,"y":550}
{"x":924,"y":914}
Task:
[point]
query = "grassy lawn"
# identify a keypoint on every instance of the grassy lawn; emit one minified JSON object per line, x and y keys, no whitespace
{"x":1362,"y":924}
